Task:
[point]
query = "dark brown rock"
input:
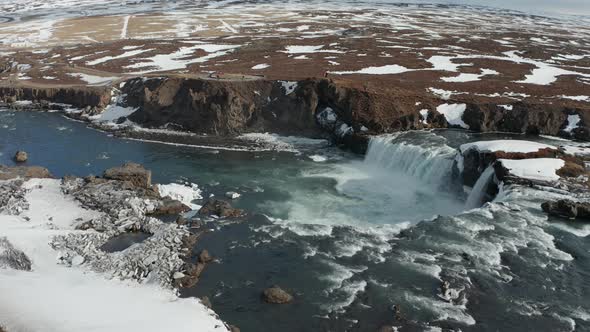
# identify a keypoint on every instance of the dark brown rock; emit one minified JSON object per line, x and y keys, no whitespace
{"x":91,"y":179}
{"x":181,"y":221}
{"x":234,"y":328}
{"x":170,"y":206}
{"x":21,"y":156}
{"x":192,"y":272}
{"x":276,"y":295}
{"x":27,"y":172}
{"x":205,"y":257}
{"x":567,"y":209}
{"x":525,"y":117}
{"x":220,"y":208}
{"x":133,"y":173}
{"x":206,"y":302}
{"x":189,"y":241}
{"x":571,"y":169}
{"x":85,"y":225}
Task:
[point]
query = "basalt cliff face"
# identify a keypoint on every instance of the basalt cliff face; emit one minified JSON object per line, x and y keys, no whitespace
{"x":79,"y":97}
{"x":232,"y":107}
{"x":527,"y":118}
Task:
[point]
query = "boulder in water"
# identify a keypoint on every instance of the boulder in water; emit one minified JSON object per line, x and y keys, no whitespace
{"x":276,"y":295}
{"x":133,"y":173}
{"x":567,"y":209}
{"x":206,"y":302}
{"x":191,"y":275}
{"x":220,"y":208}
{"x":205,"y":257}
{"x":21,"y":157}
{"x":387,"y":328}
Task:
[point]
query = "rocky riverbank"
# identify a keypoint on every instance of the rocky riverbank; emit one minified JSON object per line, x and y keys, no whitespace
{"x":82,"y":215}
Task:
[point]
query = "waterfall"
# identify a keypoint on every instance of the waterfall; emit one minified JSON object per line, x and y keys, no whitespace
{"x":431,"y":163}
{"x":479,"y":190}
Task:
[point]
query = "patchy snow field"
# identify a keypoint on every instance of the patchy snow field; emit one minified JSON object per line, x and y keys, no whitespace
{"x":411,"y":46}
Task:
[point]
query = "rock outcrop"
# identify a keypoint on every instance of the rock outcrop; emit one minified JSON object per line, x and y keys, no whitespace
{"x":169,"y":206}
{"x":276,"y":295}
{"x":205,"y":257}
{"x":191,"y":273}
{"x":133,"y":173}
{"x":567,"y":209}
{"x":220,"y":208}
{"x":25,"y":172}
{"x":21,"y":156}
{"x":526,"y":118}
{"x":79,"y":97}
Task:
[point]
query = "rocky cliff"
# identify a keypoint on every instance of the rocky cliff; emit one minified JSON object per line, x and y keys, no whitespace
{"x":79,"y":97}
{"x":347,"y":111}
{"x":231,"y":107}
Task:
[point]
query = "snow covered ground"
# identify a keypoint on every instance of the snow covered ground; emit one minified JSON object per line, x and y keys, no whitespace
{"x":510,"y":146}
{"x":543,"y":169}
{"x":57,"y":297}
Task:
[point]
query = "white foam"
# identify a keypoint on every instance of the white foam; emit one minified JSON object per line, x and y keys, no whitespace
{"x":318,"y":158}
{"x":283,"y":143}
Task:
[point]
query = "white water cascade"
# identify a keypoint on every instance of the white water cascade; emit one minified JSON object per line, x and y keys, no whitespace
{"x":432,"y":164}
{"x":479,"y":189}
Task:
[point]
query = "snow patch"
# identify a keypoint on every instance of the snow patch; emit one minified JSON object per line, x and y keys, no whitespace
{"x":573,"y":122}
{"x":454,"y":114}
{"x":381,"y":70}
{"x":542,"y":169}
{"x":510,"y":146}
{"x":424,"y":115}
{"x":185,"y":193}
{"x":261,"y":66}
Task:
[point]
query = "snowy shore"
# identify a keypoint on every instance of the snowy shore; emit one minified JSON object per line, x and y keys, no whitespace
{"x":64,"y":291}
